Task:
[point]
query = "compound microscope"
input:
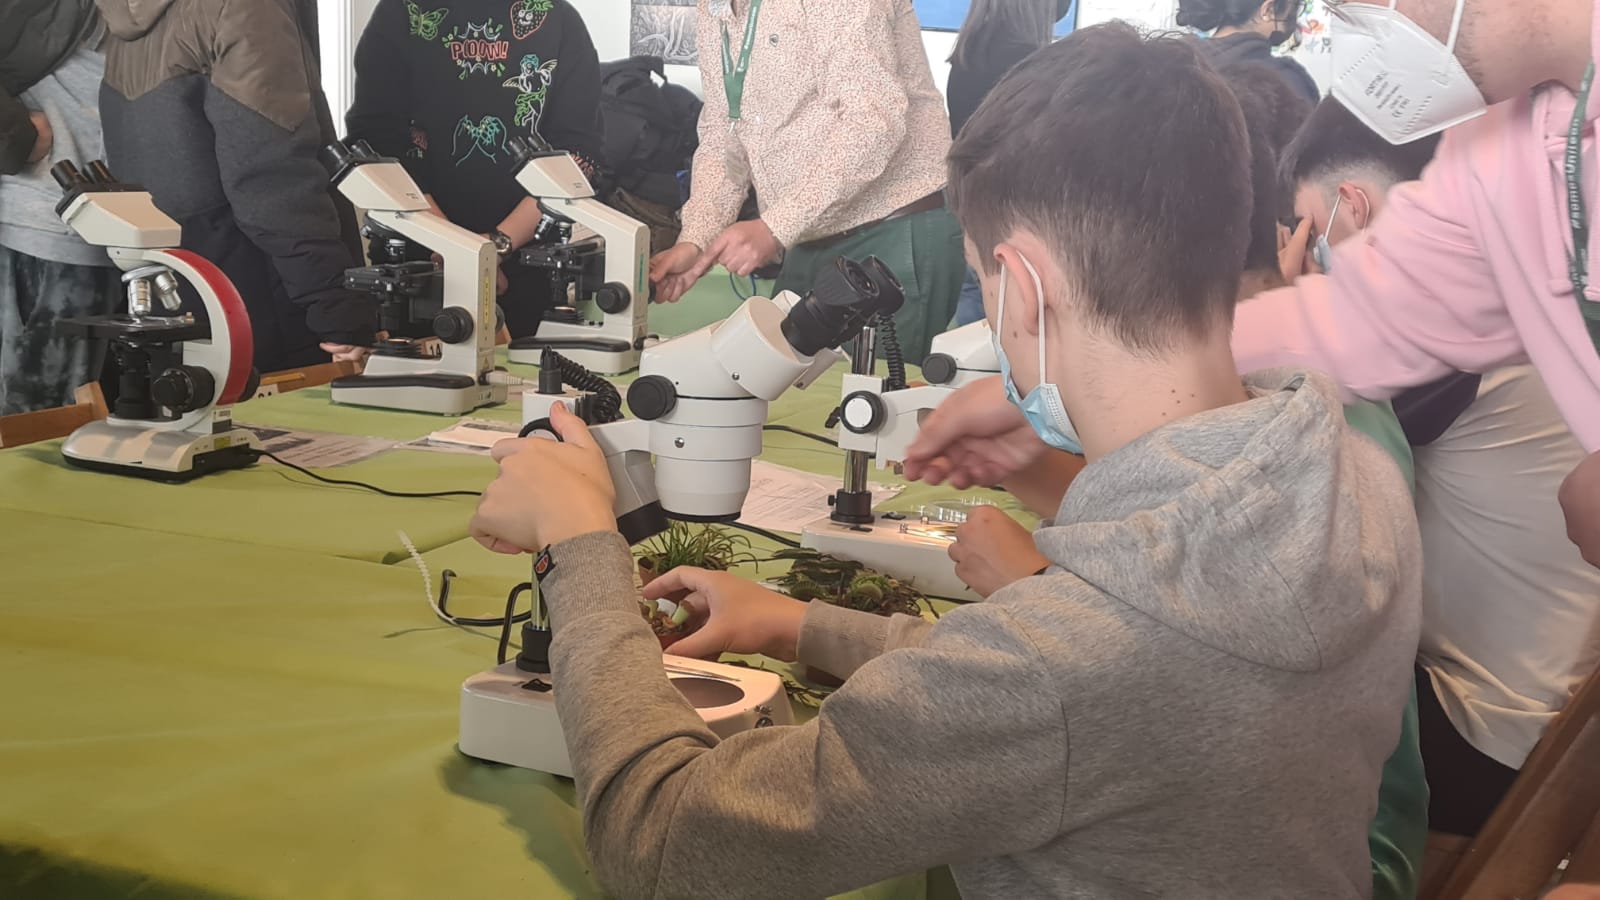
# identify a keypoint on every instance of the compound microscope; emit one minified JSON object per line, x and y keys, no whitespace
{"x":610,"y":268}
{"x":699,"y":406}
{"x":452,"y":372}
{"x":879,"y":419}
{"x":177,"y":376}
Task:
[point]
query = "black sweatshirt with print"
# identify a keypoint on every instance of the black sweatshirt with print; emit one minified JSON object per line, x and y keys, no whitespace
{"x":443,"y":84}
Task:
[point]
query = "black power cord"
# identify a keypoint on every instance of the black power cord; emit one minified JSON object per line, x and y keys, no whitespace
{"x":812,"y":435}
{"x":342,"y":482}
{"x":762,"y":532}
{"x":449,"y":575}
{"x":505,"y":623}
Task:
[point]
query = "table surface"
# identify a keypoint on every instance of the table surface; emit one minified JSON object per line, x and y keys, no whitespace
{"x":236,"y":688}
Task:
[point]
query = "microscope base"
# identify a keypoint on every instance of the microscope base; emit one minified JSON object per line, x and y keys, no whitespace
{"x":505,"y":721}
{"x":127,"y":449}
{"x":435,"y":393}
{"x":579,"y":343}
{"x":920,"y":560}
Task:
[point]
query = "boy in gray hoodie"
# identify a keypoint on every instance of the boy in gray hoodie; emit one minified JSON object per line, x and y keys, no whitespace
{"x":1195,"y":699}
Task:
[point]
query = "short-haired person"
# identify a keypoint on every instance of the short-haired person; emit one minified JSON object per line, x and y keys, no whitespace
{"x":1166,"y":710}
{"x":1511,"y":613}
{"x":1485,"y":262}
{"x":828,"y":109}
{"x":992,"y":550}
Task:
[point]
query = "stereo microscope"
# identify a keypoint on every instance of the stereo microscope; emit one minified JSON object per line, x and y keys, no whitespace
{"x":177,"y":375}
{"x":451,"y":373}
{"x":611,"y":268}
{"x":876,"y":421}
{"x":699,"y":406}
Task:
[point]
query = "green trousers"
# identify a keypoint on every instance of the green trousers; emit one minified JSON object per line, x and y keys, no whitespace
{"x":924,"y":251}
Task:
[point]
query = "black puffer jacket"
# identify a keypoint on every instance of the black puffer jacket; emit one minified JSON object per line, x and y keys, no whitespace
{"x":39,"y":34}
{"x":1236,"y":48}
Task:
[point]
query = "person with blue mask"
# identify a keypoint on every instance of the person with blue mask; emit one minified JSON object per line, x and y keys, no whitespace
{"x":1206,"y":679}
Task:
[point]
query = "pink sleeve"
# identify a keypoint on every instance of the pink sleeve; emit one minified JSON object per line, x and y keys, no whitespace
{"x":1411,"y":302}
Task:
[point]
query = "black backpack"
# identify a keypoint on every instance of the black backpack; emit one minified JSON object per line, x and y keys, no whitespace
{"x":650,"y":128}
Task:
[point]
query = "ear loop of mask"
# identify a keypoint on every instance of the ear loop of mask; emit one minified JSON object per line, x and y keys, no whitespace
{"x":1038,"y":289}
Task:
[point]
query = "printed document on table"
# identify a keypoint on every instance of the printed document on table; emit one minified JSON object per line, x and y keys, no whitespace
{"x":785,"y":499}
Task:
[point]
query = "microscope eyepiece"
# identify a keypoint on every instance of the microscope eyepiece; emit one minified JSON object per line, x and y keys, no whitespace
{"x":335,"y":156}
{"x":845,"y":297}
{"x":99,"y":174}
{"x":67,"y":175}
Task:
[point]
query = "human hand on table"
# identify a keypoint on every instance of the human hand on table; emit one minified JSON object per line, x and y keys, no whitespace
{"x":1580,"y":500}
{"x":976,"y":437}
{"x":729,"y":614}
{"x":347,"y":352}
{"x":993,"y":550}
{"x":547,"y":491}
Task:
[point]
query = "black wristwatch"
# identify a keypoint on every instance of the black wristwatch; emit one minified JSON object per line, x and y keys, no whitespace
{"x":502,"y":243}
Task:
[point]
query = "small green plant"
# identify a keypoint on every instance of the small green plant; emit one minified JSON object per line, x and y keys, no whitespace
{"x":705,"y":547}
{"x":847,"y":583}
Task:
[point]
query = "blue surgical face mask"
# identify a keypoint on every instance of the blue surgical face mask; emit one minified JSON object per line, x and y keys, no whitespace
{"x":1042,"y":407}
{"x":1323,"y":251}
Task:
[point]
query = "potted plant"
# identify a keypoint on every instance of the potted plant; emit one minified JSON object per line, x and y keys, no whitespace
{"x":705,"y":547}
{"x":814,"y":576}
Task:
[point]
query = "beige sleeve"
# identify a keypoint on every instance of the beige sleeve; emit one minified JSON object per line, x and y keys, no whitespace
{"x":967,"y":728}
{"x":840,"y":641}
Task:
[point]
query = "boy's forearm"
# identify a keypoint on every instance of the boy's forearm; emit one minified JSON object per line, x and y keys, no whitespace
{"x":840,"y":641}
{"x":522,"y":223}
{"x":1041,"y":486}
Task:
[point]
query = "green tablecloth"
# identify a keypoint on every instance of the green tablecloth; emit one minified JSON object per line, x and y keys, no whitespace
{"x":219,"y":689}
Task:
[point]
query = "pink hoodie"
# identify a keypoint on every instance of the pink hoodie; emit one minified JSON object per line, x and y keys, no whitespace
{"x":1466,"y":270}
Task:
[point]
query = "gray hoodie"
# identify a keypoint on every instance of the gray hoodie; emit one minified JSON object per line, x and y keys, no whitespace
{"x":1195,"y":701}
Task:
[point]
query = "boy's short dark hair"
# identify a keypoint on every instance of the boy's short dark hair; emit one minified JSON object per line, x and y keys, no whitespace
{"x":1128,"y":157}
{"x":1333,"y":144}
{"x":1273,"y":114}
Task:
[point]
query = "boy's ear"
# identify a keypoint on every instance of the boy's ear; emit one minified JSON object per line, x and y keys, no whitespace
{"x":1022,"y":291}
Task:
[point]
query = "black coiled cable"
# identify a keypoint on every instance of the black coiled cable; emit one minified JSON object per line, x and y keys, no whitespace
{"x":604,"y":403}
{"x":893,"y":358}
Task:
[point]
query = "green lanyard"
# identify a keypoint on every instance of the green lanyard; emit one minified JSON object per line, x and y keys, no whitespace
{"x":1577,"y":217}
{"x":733,"y":75}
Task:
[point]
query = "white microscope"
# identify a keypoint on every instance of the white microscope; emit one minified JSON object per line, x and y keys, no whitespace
{"x":877,"y":419}
{"x":700,"y":405}
{"x":451,"y":374}
{"x":178,"y":377}
{"x":611,"y":267}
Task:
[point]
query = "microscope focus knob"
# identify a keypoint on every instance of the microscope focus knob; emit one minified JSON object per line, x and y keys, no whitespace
{"x":652,"y":397}
{"x":453,"y":325}
{"x":612,"y":298}
{"x":183,"y":388}
{"x":862,"y":412}
{"x":939,"y":368}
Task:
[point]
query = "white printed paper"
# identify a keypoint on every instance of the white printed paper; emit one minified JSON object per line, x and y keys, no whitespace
{"x":785,"y":499}
{"x":317,"y":449}
{"x":468,"y":435}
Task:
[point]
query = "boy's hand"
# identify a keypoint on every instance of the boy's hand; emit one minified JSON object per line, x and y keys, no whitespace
{"x":1294,"y":251}
{"x":992,"y":551}
{"x":731,"y":615}
{"x":44,"y":137}
{"x":974,"y":438}
{"x":1580,"y":500}
{"x":547,"y":491}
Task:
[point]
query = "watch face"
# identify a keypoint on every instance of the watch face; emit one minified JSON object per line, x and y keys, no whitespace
{"x":502,"y":243}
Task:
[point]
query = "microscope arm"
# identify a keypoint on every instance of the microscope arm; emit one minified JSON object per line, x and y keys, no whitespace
{"x":883,"y":423}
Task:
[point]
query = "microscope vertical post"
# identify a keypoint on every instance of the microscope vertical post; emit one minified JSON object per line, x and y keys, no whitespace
{"x":853,"y":503}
